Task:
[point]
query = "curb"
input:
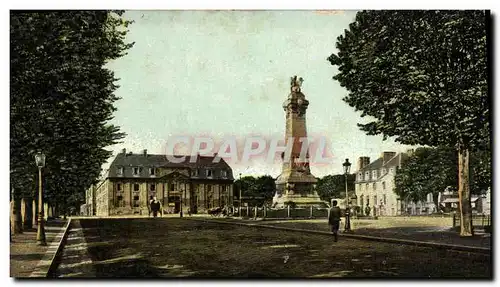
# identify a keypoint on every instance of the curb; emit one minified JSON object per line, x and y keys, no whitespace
{"x":483,"y":250}
{"x":47,"y":263}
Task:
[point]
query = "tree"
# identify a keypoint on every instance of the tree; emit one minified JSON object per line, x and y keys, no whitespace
{"x":428,"y":170}
{"x":432,"y":170}
{"x":62,"y":98}
{"x":333,"y":186}
{"x":421,"y":76}
{"x":257,"y":190}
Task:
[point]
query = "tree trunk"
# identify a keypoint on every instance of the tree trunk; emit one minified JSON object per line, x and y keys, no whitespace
{"x":28,"y":213}
{"x":464,"y":193}
{"x":17,"y":224}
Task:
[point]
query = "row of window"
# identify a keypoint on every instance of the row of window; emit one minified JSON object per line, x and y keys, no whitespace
{"x":374,"y":174}
{"x":365,"y":200}
{"x":365,"y":186}
{"x":171,"y":187}
{"x":153,"y":171}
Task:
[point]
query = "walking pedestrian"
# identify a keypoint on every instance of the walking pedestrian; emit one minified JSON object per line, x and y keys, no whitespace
{"x":149,"y":205}
{"x":334,"y":219}
{"x":155,"y":207}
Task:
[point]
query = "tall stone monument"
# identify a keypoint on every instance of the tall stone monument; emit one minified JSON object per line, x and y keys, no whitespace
{"x":296,"y":183}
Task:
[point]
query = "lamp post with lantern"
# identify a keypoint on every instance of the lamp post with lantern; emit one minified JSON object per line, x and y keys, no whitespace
{"x":239,"y":207}
{"x":347,"y":167}
{"x":40,"y":235}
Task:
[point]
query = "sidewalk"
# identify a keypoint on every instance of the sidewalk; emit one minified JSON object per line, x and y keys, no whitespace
{"x":25,"y":254}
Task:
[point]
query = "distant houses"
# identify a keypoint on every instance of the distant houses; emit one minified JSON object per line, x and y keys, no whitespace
{"x":374,"y":187}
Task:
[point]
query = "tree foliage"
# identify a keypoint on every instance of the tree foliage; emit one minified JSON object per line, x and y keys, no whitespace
{"x":432,"y":170}
{"x":333,"y":186}
{"x":261,"y":189}
{"x":428,"y":170}
{"x":62,"y":98}
{"x":421,"y":77}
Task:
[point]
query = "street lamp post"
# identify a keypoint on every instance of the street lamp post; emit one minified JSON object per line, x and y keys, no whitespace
{"x":40,"y":236}
{"x":180,"y":213}
{"x":347,"y":167}
{"x":239,"y":208}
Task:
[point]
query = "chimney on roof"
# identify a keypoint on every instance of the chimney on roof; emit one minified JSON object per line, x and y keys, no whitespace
{"x":362,"y":162}
{"x":387,"y":155}
{"x":145,"y":152}
{"x":124,"y":151}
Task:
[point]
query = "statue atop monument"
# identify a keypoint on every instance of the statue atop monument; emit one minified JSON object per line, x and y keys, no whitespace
{"x":296,"y":84}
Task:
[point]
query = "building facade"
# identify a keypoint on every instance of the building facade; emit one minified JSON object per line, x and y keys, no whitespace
{"x":374,"y":187}
{"x":133,"y":178}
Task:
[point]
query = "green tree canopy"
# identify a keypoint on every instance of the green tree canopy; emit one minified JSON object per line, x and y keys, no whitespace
{"x":333,"y":186}
{"x":62,"y":98}
{"x":421,"y":77}
{"x":261,"y":189}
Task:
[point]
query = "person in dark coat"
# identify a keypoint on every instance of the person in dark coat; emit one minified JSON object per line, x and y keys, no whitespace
{"x":334,"y":219}
{"x":149,"y":205}
{"x":155,"y":207}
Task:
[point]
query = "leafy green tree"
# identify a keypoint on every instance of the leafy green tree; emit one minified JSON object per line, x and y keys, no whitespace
{"x":431,"y":170}
{"x":421,"y":77}
{"x":428,"y":170}
{"x":333,"y":186}
{"x":261,"y":188}
{"x":62,"y":98}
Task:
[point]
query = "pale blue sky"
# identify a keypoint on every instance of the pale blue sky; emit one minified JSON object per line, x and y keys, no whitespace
{"x":227,"y":74}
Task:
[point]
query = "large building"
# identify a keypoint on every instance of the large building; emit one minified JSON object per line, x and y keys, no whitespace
{"x":374,"y":187}
{"x":133,"y":178}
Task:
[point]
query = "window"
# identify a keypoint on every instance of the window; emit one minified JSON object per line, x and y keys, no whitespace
{"x":209,"y":173}
{"x":223,"y":188}
{"x":136,"y":200}
{"x":136,"y":170}
{"x":118,"y":187}
{"x":172,"y":186}
{"x":360,"y":176}
{"x":119,"y":171}
{"x":367,"y":200}
{"x":195,"y":172}
{"x":383,"y":185}
{"x":385,"y":200}
{"x":209,"y":188}
{"x":367,"y":175}
{"x":374,"y":186}
{"x":152,"y":171}
{"x":119,"y":201}
{"x":152,"y":187}
{"x":136,"y":187}
{"x":375,"y":200}
{"x":223,"y":173}
{"x":374,"y":174}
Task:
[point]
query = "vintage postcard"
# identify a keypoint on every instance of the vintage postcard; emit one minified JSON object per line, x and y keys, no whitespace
{"x":250,"y":144}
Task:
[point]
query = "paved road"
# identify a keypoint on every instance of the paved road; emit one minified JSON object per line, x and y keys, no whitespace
{"x":171,"y":247}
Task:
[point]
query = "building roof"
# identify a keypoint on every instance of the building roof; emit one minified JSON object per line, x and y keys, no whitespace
{"x":156,"y":160}
{"x":379,"y":163}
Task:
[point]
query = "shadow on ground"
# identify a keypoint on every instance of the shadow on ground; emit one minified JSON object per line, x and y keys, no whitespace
{"x":145,"y":248}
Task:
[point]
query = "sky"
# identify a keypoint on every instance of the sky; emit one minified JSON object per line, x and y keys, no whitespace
{"x":226,"y":74}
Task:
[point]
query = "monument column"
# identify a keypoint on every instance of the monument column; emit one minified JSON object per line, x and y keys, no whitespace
{"x":296,"y":183}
